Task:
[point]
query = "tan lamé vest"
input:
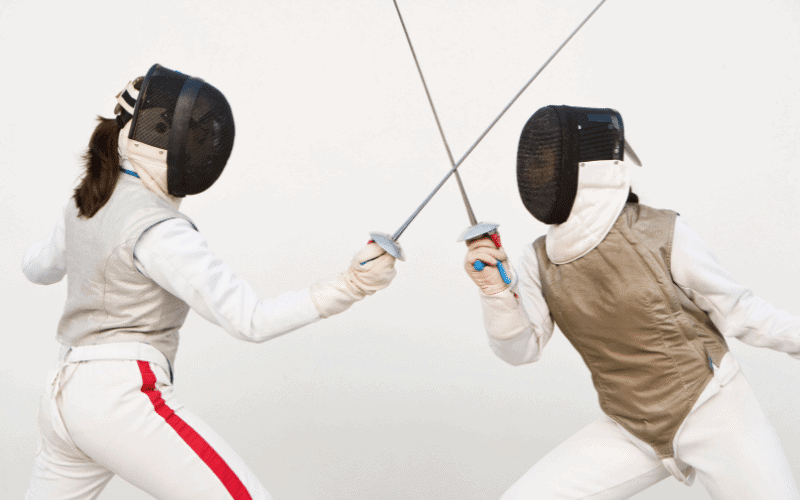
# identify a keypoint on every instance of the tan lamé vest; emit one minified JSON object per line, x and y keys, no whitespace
{"x":108,"y":300}
{"x":647,"y":345}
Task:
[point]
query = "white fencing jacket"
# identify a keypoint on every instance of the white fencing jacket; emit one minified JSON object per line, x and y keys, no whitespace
{"x":176,"y":256}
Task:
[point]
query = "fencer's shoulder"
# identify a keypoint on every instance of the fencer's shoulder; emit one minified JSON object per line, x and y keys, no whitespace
{"x":636,"y":215}
{"x":637,"y":211}
{"x":536,"y":250}
{"x":538,"y":244}
{"x":70,"y":210}
{"x":138,"y":209}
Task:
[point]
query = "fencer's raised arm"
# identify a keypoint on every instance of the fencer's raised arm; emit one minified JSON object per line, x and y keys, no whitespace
{"x":518,"y":325}
{"x":176,"y":256}
{"x":733,"y":308}
{"x":44,"y":262}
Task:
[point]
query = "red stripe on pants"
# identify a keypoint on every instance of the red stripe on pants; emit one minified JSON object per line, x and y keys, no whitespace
{"x":191,"y":437}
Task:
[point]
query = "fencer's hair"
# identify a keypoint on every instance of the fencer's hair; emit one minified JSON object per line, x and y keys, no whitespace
{"x":101,"y":161}
{"x":632,"y":198}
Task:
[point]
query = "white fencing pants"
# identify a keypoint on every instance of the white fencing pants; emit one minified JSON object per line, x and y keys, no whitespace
{"x":727,"y":441}
{"x":119,"y":416}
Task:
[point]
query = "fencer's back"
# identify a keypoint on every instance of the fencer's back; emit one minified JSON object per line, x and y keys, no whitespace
{"x":108,"y":299}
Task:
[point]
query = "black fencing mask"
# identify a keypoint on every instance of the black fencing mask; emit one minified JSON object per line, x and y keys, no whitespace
{"x":553,"y":143}
{"x":190,"y":120}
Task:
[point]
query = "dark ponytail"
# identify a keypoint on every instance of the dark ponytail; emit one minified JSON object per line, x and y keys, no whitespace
{"x":102,"y":168}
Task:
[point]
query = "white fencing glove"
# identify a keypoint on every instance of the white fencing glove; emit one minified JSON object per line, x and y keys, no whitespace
{"x":489,"y":279}
{"x":371,"y":269}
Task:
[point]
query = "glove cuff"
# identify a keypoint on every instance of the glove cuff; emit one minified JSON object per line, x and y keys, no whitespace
{"x":503,"y":316}
{"x":334,"y":295}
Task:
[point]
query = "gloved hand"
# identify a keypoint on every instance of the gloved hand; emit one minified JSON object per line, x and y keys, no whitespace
{"x":488,"y":279}
{"x":371,"y":269}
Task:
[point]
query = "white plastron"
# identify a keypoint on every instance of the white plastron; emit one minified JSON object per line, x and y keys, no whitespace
{"x":603,"y":188}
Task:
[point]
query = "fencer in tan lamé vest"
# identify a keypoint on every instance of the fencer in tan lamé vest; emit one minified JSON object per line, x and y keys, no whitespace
{"x":647,"y":345}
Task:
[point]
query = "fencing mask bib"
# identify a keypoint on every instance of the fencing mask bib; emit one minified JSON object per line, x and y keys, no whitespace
{"x":187,"y":118}
{"x":553,"y":143}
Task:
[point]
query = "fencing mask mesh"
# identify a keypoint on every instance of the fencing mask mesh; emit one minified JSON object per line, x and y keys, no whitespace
{"x":191,"y":120}
{"x":554,"y":141}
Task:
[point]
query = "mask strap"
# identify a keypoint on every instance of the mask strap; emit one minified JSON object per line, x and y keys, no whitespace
{"x":126,"y":100}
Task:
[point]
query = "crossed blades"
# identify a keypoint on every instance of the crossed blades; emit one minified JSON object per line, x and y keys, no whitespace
{"x":476,"y":229}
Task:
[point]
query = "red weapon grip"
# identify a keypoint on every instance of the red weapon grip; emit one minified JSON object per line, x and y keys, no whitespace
{"x":496,"y":239}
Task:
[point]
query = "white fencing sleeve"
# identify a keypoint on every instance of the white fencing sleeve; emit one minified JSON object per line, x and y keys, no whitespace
{"x":519,"y":328}
{"x":733,"y":308}
{"x":44,"y":263}
{"x":371,"y":269}
{"x":176,"y":256}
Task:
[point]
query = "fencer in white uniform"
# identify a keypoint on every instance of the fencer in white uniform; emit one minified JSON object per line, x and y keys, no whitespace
{"x":135,"y":265}
{"x":649,"y":309}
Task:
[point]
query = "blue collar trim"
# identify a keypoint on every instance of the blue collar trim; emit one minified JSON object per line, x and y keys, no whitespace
{"x":130,"y":172}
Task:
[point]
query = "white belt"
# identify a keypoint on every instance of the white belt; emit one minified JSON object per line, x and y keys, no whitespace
{"x":136,"y":351}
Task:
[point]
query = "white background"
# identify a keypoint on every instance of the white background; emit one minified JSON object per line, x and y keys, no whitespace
{"x":400,"y":397}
